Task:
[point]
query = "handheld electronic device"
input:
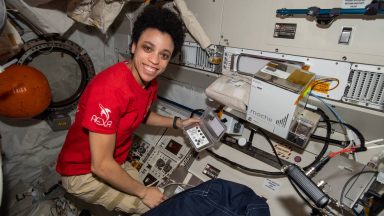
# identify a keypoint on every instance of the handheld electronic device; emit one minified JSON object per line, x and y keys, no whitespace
{"x":206,"y":132}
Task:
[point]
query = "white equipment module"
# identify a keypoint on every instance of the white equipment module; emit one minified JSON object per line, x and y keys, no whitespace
{"x":277,"y":102}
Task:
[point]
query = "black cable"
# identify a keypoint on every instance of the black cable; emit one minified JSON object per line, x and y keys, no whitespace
{"x":342,"y":143}
{"x":263,"y":172}
{"x":326,"y":143}
{"x":321,"y":154}
{"x":290,"y":180}
{"x":196,"y":111}
{"x":250,"y":169}
{"x":251,"y":135}
{"x":355,"y":130}
{"x":273,"y":147}
{"x":348,"y":181}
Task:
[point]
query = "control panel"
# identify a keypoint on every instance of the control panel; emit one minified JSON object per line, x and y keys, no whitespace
{"x":156,"y":163}
{"x":158,"y":167}
{"x":167,"y":156}
{"x":197,"y":136}
{"x":157,"y":152}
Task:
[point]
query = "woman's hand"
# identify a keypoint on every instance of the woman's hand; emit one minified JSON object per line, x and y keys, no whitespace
{"x":186,"y":122}
{"x":153,"y":197}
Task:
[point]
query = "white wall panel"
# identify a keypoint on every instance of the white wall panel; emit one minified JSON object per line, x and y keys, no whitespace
{"x":209,"y":15}
{"x":250,"y":24}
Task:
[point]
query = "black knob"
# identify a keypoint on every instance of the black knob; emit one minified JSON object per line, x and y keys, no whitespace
{"x":160,"y":163}
{"x":167,"y":168}
{"x":142,"y":150}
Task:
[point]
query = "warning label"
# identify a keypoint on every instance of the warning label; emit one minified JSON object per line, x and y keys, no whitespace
{"x":355,"y":3}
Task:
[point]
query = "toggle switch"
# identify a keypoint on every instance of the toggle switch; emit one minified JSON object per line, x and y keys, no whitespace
{"x":345,"y":36}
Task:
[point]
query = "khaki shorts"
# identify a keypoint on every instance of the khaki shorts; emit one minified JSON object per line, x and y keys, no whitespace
{"x":92,"y":190}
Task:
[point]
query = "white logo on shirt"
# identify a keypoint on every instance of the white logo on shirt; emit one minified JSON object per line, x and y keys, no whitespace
{"x":103,"y":120}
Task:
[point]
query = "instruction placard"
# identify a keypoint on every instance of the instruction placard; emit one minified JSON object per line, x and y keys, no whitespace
{"x":271,"y":185}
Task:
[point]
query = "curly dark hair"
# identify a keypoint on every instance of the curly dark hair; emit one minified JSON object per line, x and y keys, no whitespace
{"x":163,"y":20}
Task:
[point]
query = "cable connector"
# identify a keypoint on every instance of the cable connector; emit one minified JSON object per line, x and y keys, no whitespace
{"x":376,"y":160}
{"x":311,"y":107}
{"x":351,"y":136}
{"x":360,"y":149}
{"x":317,"y":166}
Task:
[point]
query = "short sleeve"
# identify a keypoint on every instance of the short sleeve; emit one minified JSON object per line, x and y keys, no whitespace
{"x":102,"y":108}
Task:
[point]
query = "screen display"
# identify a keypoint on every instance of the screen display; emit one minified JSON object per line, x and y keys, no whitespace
{"x":173,"y":147}
{"x":216,"y":126}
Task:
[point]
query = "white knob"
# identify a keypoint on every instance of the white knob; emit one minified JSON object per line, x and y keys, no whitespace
{"x":242,"y":141}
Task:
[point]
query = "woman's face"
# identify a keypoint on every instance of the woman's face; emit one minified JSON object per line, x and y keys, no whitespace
{"x":151,"y":55}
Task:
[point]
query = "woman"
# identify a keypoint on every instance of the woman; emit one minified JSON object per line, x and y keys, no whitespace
{"x":116,"y":101}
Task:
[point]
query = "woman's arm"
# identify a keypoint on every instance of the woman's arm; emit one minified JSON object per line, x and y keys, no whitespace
{"x":104,"y":166}
{"x":155,"y":119}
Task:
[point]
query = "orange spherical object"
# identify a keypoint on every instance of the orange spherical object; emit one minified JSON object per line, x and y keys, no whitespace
{"x":24,"y":92}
